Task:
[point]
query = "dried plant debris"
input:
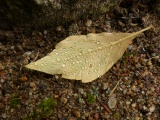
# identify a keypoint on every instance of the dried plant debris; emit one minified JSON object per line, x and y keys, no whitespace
{"x":85,"y":57}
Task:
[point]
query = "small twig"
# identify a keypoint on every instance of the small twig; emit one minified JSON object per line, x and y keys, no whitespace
{"x":103,"y":105}
{"x":115,"y":86}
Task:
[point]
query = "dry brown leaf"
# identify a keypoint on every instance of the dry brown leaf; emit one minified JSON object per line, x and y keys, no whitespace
{"x":85,"y":57}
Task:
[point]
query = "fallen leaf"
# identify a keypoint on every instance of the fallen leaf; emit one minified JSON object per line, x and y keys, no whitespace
{"x":85,"y":57}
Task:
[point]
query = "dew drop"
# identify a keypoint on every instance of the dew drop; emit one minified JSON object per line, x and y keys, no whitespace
{"x":99,"y":48}
{"x":92,"y":60}
{"x":77,"y":61}
{"x":77,"y":57}
{"x":58,"y":59}
{"x":63,"y":65}
{"x":35,"y":63}
{"x":42,"y":65}
{"x":56,"y":53}
{"x":89,"y":50}
{"x":95,"y":53}
{"x":98,"y":42}
{"x":108,"y":53}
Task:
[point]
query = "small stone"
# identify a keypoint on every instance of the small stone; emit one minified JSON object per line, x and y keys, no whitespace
{"x":80,"y":90}
{"x":96,"y":116}
{"x":128,"y":102}
{"x":45,"y":32}
{"x":88,"y":23}
{"x":23,"y":78}
{"x":24,"y":95}
{"x":63,"y":100}
{"x":152,"y":108}
{"x":90,"y":118}
{"x":59,"y":116}
{"x":133,"y":88}
{"x":25,"y":62}
{"x":112,"y":102}
{"x":133,"y":105}
{"x":9,"y":34}
{"x":149,"y":63}
{"x":104,"y":86}
{"x":76,"y":113}
{"x":1,"y":67}
{"x":4,"y":115}
{"x":156,"y":57}
{"x":32,"y":84}
{"x":59,"y":28}
{"x":26,"y":54}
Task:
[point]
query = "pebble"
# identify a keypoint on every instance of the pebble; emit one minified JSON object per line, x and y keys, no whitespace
{"x":59,"y":28}
{"x":23,"y":78}
{"x":133,"y":88}
{"x":112,"y":102}
{"x":133,"y":105}
{"x":90,"y":118}
{"x":63,"y":100}
{"x":45,"y":32}
{"x":152,"y":108}
{"x":80,"y":90}
{"x":128,"y":102}
{"x":26,"y":54}
{"x":32,"y":84}
{"x":149,"y":63}
{"x":4,"y":115}
{"x":88,"y":23}
{"x":1,"y":67}
{"x":9,"y":34}
{"x":25,"y":62}
{"x":96,"y":116}
{"x":59,"y":116}
{"x":76,"y":113}
{"x":104,"y":86}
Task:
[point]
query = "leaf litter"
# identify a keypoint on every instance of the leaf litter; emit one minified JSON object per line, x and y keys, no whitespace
{"x":85,"y":57}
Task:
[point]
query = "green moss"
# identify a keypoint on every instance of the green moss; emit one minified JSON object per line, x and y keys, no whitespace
{"x":14,"y":100}
{"x":90,"y":98}
{"x":47,"y":106}
{"x":45,"y":109}
{"x":116,"y":116}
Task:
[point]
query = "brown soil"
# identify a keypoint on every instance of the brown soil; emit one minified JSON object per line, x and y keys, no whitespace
{"x":137,"y":95}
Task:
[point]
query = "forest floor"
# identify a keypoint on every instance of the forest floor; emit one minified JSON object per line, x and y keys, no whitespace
{"x":130,"y":90}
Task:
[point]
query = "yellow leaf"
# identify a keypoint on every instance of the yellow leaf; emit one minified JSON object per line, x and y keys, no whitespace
{"x":85,"y":57}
